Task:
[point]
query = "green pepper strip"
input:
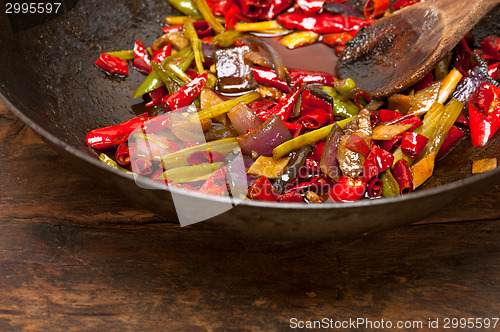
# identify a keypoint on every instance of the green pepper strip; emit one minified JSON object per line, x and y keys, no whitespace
{"x":192,"y":36}
{"x":306,"y":139}
{"x":391,"y":187}
{"x":190,"y":173}
{"x":341,"y":108}
{"x":151,"y":82}
{"x":209,"y":16}
{"x":227,"y":38}
{"x":111,"y":163}
{"x":450,"y":114}
{"x":126,"y":54}
{"x":186,"y":7}
{"x":223,"y":107}
{"x":178,"y":158}
{"x":344,"y":86}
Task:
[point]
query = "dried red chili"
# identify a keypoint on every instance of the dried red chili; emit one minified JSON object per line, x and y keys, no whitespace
{"x":375,"y":8}
{"x":185,"y":95}
{"x":142,"y":59}
{"x":266,"y":76}
{"x":453,"y":136}
{"x":315,"y":119}
{"x":322,"y":23}
{"x":310,"y":77}
{"x":112,"y":64}
{"x":491,"y":45}
{"x":348,"y":189}
{"x":402,"y":174}
{"x":107,"y":137}
{"x":377,"y":161}
{"x":263,"y":190}
{"x":413,"y":144}
{"x":283,"y":109}
{"x":484,"y":113}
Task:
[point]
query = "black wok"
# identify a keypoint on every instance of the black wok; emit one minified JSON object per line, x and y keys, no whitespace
{"x":47,"y":78}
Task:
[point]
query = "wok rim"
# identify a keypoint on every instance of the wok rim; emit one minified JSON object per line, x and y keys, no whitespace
{"x":416,"y":195}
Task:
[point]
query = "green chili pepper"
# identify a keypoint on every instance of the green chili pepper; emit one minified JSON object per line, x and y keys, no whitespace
{"x":111,"y":163}
{"x":178,"y":158}
{"x":391,"y":187}
{"x":341,"y":108}
{"x":190,"y":173}
{"x":192,"y":36}
{"x":186,"y":7}
{"x":151,"y":82}
{"x":344,"y":86}
{"x":227,"y":38}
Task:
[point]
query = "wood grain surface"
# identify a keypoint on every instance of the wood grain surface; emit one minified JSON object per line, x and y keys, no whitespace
{"x":78,"y":257}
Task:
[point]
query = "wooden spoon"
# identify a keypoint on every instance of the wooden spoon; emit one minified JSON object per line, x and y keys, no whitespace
{"x":395,"y":52}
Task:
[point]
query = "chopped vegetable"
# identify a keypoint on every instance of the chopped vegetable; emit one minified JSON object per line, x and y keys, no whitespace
{"x":484,"y":165}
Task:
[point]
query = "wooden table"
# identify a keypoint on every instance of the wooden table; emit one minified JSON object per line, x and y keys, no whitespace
{"x":75,"y":256}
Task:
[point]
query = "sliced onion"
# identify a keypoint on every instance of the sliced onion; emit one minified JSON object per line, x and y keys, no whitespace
{"x":265,"y":138}
{"x":243,"y":118}
{"x":329,"y":163}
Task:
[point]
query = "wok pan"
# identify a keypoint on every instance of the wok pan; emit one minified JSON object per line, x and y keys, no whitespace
{"x":47,"y":78}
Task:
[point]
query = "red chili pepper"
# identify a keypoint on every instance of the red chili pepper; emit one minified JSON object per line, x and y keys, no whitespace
{"x":290,"y":197}
{"x":203,"y":157}
{"x":357,"y":144}
{"x":462,"y":57}
{"x":315,"y":119}
{"x":322,"y":23}
{"x":203,"y":28}
{"x":398,"y":4}
{"x":185,"y":95}
{"x":266,"y":76}
{"x":402,"y":175}
{"x":233,"y":15}
{"x":107,"y":137}
{"x":311,"y":166}
{"x":274,"y":8}
{"x":363,"y":95}
{"x":142,"y":166}
{"x":173,"y":28}
{"x":392,"y":144}
{"x":318,"y":150}
{"x":491,"y":45}
{"x":453,"y":136}
{"x":493,"y":70}
{"x":388,"y":115}
{"x":377,"y":161}
{"x":112,"y":64}
{"x":484,"y":113}
{"x":142,"y":59}
{"x":338,"y":38}
{"x":407,"y":119}
{"x":283,"y":109}
{"x":310,"y":103}
{"x":375,"y":187}
{"x":156,"y":96}
{"x":348,"y":189}
{"x":122,"y":154}
{"x":311,"y":6}
{"x":160,"y":55}
{"x":219,"y":7}
{"x":310,"y":77}
{"x":413,"y":144}
{"x":462,"y":120}
{"x":424,"y":82}
{"x":262,"y":190}
{"x":375,"y":8}
{"x":216,"y":183}
{"x":155,"y":124}
{"x":261,"y":106}
{"x":293,"y":127}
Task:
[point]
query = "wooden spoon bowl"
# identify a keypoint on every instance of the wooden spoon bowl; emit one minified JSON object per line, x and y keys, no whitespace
{"x":397,"y":51}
